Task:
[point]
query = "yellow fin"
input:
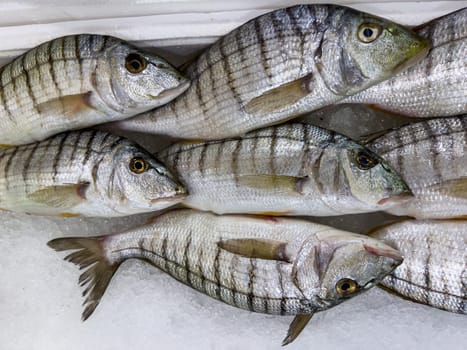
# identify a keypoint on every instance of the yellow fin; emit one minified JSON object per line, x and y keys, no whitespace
{"x":279,"y":97}
{"x":455,"y":188}
{"x":274,"y":213}
{"x":66,"y":196}
{"x":70,"y":106}
{"x":68,"y":215}
{"x":6,"y":146}
{"x":256,"y":248}
{"x":296,"y":327}
{"x":281,"y":183}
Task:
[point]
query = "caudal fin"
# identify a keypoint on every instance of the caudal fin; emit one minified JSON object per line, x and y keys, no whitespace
{"x":89,"y":254}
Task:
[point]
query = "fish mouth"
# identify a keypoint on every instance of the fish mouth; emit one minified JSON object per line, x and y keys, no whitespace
{"x":386,"y":252}
{"x":178,"y":90}
{"x":426,"y":46}
{"x":175,"y":198}
{"x":396,"y":199}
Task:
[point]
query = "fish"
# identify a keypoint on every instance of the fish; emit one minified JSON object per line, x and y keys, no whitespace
{"x":279,"y":266}
{"x":434,"y":271}
{"x":78,"y":81}
{"x":87,"y":172}
{"x":280,"y":65}
{"x":437,"y":85}
{"x":431,"y":157}
{"x":291,"y":169}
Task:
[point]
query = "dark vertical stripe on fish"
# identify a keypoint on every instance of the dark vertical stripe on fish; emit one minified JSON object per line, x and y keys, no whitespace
{"x":251,"y":283}
{"x":228,"y":72}
{"x":217,"y":276}
{"x":262,"y":48}
{"x":57,"y":158}
{"x":283,"y":306}
{"x":427,"y":271}
{"x":235,"y":166}
{"x":27,"y":165}
{"x":8,"y":165}
{"x":202,"y":158}
{"x":186,"y":260}
{"x":89,"y":148}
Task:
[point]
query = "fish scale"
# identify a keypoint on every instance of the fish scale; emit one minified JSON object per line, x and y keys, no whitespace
{"x":294,"y":169}
{"x":430,"y":156}
{"x":79,"y":173}
{"x":434,"y":271}
{"x":437,"y":85}
{"x":271,"y":69}
{"x":272,"y":265}
{"x":78,"y":81}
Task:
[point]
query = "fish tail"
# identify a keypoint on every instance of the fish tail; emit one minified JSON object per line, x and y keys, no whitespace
{"x":89,"y":253}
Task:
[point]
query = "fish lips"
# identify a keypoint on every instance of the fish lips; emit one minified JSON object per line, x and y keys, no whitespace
{"x":395,"y":199}
{"x":169,"y":94}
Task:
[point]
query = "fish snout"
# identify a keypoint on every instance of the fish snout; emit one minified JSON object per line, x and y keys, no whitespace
{"x":396,"y":199}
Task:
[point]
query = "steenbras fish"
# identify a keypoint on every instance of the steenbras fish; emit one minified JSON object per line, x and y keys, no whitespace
{"x":437,"y":85}
{"x":434,"y":271}
{"x":271,"y":265}
{"x":292,"y":169}
{"x":279,"y":65}
{"x":78,"y":81}
{"x":88,"y":173}
{"x":431,"y":156}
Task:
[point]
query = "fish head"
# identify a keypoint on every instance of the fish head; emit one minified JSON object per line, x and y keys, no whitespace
{"x":351,"y":263}
{"x":335,"y":265}
{"x":138,"y":182}
{"x":140,"y":80}
{"x":354,"y":179}
{"x":363,"y":50}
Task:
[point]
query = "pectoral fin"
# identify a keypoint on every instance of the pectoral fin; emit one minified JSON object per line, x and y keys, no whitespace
{"x":256,"y":248}
{"x":282,"y":183}
{"x":61,"y":197}
{"x":296,"y":327}
{"x":455,"y":188}
{"x":70,"y":106}
{"x":279,"y":97}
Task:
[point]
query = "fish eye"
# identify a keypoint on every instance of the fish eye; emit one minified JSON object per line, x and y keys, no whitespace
{"x":138,"y":165}
{"x":346,"y":286}
{"x":365,"y":161}
{"x":135,"y":63}
{"x":369,"y":32}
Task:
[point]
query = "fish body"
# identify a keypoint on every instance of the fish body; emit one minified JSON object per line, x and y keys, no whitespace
{"x":270,"y":265}
{"x":437,"y":85}
{"x":434,"y":271}
{"x":77,"y":81}
{"x":292,"y":169}
{"x":279,"y":65}
{"x":88,"y":173}
{"x":431,"y":157}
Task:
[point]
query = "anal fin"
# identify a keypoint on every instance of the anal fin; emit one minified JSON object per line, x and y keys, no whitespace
{"x":296,"y":327}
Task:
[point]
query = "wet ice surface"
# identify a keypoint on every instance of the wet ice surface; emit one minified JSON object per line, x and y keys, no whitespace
{"x":40,"y":301}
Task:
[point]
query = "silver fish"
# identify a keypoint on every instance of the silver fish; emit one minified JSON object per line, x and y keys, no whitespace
{"x":431,"y":156}
{"x":78,"y":81}
{"x":293,"y":169}
{"x":434,"y":271}
{"x":281,"y":64}
{"x":437,"y":85}
{"x":87,"y":173}
{"x":271,"y":265}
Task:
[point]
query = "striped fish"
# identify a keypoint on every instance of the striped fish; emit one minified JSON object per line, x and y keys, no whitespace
{"x":437,"y":85}
{"x":279,"y":65}
{"x":78,"y":81}
{"x":431,"y":156}
{"x":87,"y":173}
{"x":293,"y":169}
{"x":270,"y":265}
{"x":434,"y":271}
